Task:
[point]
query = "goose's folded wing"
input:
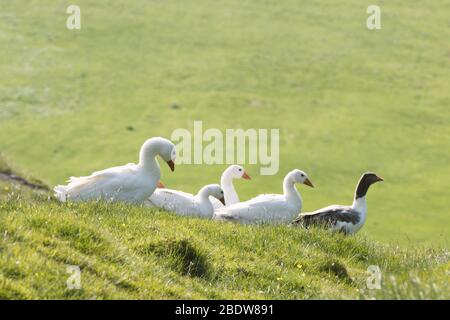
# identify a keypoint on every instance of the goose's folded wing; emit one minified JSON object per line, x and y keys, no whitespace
{"x":256,"y":200}
{"x":169,"y":199}
{"x":259,"y":208}
{"x":264,"y":197}
{"x":129,"y":169}
{"x":105,"y":182}
{"x":171,"y":192}
{"x":328,"y":216}
{"x":111,"y":173}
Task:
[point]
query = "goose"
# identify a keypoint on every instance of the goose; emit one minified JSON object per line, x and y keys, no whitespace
{"x":226,"y":182}
{"x":131,"y":183}
{"x":186,"y":204}
{"x":346,"y":219}
{"x":273,"y":208}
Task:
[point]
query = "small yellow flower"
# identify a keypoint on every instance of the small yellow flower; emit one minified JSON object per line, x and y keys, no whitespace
{"x":279,"y":279}
{"x":6,"y":188}
{"x":299,"y":266}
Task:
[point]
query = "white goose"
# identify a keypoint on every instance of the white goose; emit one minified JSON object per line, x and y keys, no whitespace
{"x":345,"y":219}
{"x":132,"y":183}
{"x":226,"y":182}
{"x":275,"y":208}
{"x":186,"y":204}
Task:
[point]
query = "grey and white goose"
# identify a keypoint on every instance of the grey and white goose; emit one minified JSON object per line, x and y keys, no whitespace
{"x":346,"y":219}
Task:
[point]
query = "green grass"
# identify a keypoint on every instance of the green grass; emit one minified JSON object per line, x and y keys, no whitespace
{"x":4,"y":167}
{"x":129,"y":252}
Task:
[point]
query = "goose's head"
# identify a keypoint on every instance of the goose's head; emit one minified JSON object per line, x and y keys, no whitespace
{"x":367,"y":179}
{"x":162,"y":147}
{"x":298,"y":176}
{"x":169,"y":154}
{"x":237,"y":172}
{"x":213,"y":190}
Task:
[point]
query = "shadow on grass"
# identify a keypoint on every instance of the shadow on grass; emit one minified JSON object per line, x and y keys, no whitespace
{"x":335,"y":268}
{"x":182,"y":256}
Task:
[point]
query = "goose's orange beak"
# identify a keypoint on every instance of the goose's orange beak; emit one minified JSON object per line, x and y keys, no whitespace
{"x":222,"y":200}
{"x":246,"y":176}
{"x":160,"y":185}
{"x":171,"y":165}
{"x":308,"y":183}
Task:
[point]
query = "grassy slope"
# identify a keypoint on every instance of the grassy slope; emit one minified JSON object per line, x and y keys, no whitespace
{"x":131,"y":252}
{"x":346,"y":99}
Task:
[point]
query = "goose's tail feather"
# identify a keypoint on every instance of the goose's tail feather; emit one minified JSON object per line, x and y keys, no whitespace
{"x":61,"y":193}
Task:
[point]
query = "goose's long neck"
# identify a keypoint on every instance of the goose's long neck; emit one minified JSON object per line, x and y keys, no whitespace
{"x":230,"y":194}
{"x":291,"y":193}
{"x":147,"y":158}
{"x":359,"y":202}
{"x":203,"y":198}
{"x":360,"y":205}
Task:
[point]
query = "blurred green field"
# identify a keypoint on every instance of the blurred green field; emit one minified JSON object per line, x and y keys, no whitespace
{"x":345,"y":99}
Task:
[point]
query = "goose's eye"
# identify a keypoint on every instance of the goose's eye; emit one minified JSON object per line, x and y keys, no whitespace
{"x":303,"y":175}
{"x":221,"y":192}
{"x":240,"y":169}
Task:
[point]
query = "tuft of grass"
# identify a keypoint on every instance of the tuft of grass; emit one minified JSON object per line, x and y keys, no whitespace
{"x":7,"y":173}
{"x":183,"y":257}
{"x":334,"y":267}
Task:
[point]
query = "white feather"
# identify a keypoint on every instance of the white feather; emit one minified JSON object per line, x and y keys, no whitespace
{"x":131,"y":183}
{"x":186,"y":204}
{"x":272,"y":208}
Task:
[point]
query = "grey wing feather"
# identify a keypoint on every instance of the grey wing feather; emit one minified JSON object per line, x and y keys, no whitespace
{"x":328,"y":216}
{"x":223,"y":217}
